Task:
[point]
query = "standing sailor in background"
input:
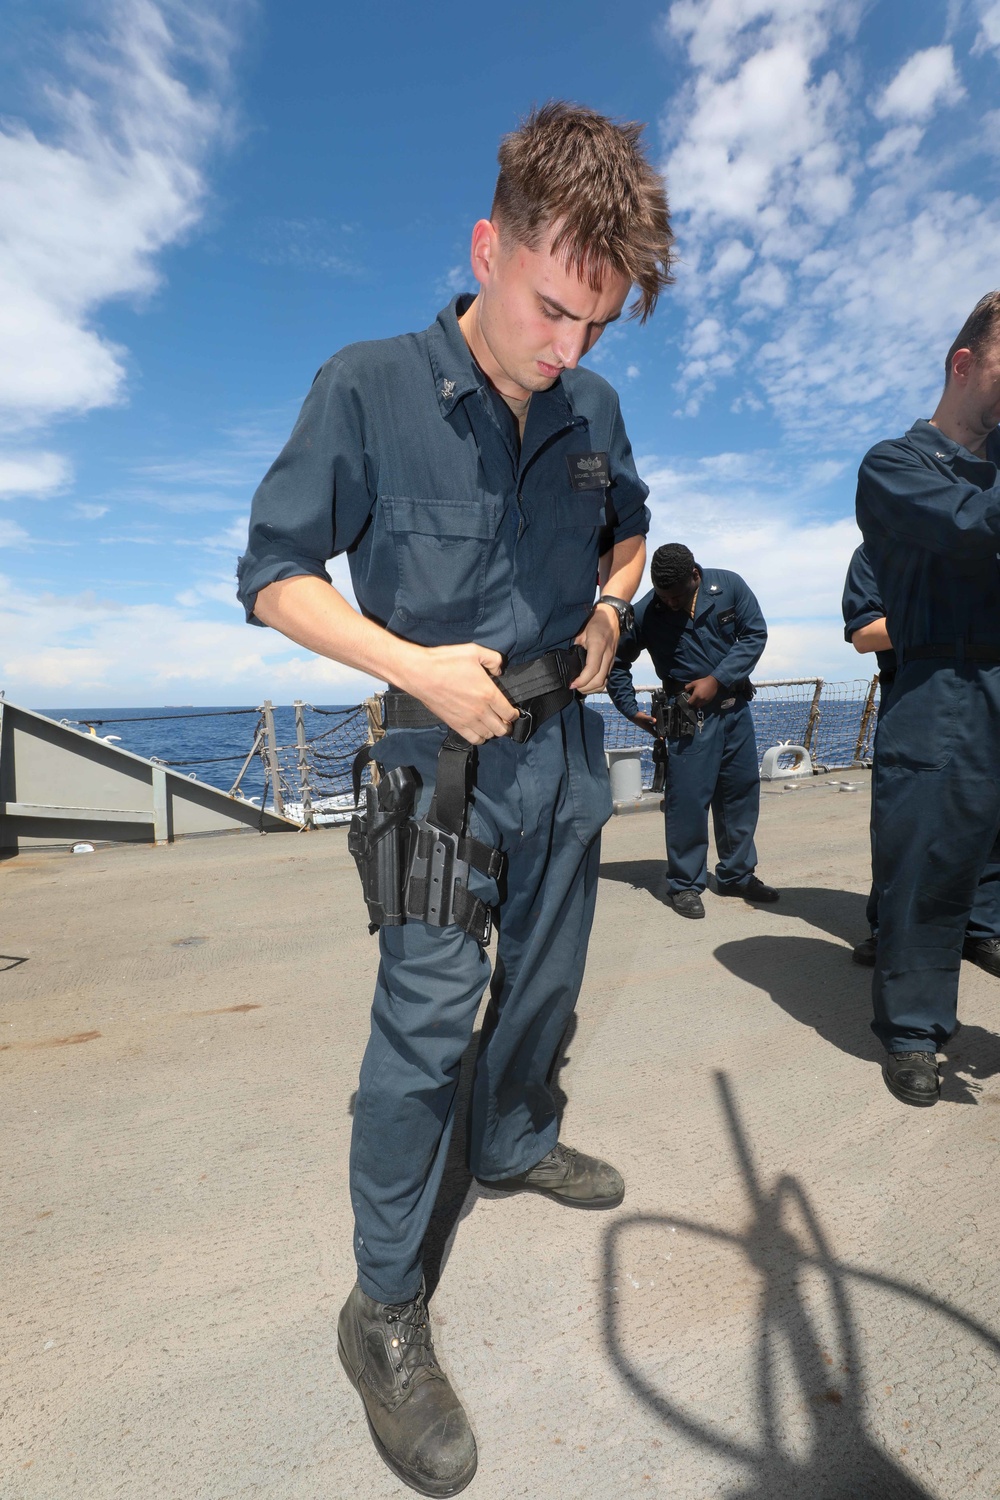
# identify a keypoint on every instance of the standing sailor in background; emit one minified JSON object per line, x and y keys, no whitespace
{"x":480,"y":484}
{"x":928,"y":505}
{"x":865,"y":628}
{"x":705,"y":633}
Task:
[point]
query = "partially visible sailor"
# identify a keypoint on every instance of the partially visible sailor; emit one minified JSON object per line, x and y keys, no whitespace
{"x":928,"y":505}
{"x":865,"y":628}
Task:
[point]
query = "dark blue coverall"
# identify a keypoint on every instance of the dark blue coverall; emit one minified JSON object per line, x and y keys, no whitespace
{"x":716,"y":767}
{"x":929,"y":512}
{"x":455,"y":531}
{"x":862,"y":604}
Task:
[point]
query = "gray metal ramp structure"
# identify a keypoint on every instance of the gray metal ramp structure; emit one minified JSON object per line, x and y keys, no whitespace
{"x":59,"y":786}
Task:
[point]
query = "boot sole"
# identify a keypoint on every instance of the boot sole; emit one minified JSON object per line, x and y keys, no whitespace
{"x":529,"y":1187}
{"x":416,"y":1482}
{"x":908,"y":1096}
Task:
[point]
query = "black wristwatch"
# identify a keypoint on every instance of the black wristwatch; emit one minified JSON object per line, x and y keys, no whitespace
{"x":625,"y":612}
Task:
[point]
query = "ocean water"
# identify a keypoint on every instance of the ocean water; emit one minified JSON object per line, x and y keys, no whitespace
{"x":208,"y":743}
{"x":211,"y":743}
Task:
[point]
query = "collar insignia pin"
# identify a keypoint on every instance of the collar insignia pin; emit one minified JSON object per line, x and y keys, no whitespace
{"x":447,"y":389}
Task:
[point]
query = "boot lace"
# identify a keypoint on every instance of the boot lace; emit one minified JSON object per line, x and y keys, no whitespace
{"x":410,"y":1345}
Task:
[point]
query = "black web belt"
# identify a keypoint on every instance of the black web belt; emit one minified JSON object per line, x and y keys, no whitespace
{"x":952,"y":651}
{"x":539,"y":688}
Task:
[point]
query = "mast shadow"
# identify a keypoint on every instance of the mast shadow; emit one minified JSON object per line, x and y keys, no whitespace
{"x":839,"y":1459}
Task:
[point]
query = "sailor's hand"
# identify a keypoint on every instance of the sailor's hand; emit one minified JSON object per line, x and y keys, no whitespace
{"x":456,"y":684}
{"x":645,"y":721}
{"x":599,"y":638}
{"x":701,"y":691}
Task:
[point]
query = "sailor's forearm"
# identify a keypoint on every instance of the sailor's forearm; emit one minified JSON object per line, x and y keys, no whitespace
{"x":872,"y":637}
{"x":621,"y":569}
{"x":313,"y":614}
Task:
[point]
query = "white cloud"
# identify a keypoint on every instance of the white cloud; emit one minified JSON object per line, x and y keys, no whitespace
{"x":33,"y":474}
{"x":88,"y":647}
{"x":902,"y":140}
{"x":13,"y":535}
{"x":86,"y":209}
{"x":88,"y":202}
{"x":989,"y":25}
{"x":766,"y":287}
{"x":769,"y":151}
{"x":925,"y":81}
{"x":91,"y":512}
{"x":456,"y":279}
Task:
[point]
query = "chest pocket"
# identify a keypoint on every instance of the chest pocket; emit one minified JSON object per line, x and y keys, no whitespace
{"x":442,"y":548}
{"x":578,"y":521}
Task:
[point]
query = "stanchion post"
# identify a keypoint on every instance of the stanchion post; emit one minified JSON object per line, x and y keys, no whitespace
{"x":866,"y":719}
{"x":814,"y":717}
{"x":375,"y":713}
{"x":303,"y":759}
{"x":271,"y":756}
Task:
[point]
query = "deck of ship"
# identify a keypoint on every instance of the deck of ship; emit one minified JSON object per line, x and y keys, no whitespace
{"x":798,"y":1297}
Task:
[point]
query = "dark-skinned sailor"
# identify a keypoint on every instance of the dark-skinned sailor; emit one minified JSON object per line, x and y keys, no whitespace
{"x":705,"y":633}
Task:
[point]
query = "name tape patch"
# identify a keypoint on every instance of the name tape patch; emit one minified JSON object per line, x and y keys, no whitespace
{"x":588,"y":471}
{"x":727,"y":617}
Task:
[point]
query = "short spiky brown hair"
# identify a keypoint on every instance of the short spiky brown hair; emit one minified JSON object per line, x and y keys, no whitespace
{"x":979,"y":329}
{"x":574,"y":169}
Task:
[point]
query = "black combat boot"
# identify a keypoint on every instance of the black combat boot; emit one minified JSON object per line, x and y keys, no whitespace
{"x":914,"y":1077}
{"x":569,"y":1177}
{"x":416,"y":1420}
{"x":750,"y":889}
{"x":687,"y":904}
{"x":864,"y":953}
{"x":985,"y":952}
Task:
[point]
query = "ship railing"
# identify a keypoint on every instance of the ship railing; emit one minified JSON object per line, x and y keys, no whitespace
{"x":310,"y":777}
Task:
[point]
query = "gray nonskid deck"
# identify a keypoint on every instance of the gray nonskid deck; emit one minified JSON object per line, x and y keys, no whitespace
{"x":798,"y":1297}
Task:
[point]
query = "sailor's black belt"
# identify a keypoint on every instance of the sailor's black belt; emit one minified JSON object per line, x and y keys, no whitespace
{"x":953,"y":651}
{"x":539,"y":688}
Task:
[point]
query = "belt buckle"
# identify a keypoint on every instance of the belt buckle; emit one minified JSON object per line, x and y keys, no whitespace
{"x":522,"y":726}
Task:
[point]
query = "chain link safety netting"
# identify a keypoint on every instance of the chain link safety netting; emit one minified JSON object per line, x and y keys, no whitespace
{"x":313,"y":774}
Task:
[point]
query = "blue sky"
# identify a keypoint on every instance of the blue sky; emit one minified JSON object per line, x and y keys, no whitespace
{"x":200,"y":203}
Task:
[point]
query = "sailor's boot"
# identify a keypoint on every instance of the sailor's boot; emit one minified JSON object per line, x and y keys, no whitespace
{"x":416,"y":1420}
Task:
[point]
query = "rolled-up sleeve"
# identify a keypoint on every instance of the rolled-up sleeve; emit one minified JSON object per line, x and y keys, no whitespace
{"x":861,"y":603}
{"x":315,"y":500}
{"x":627,"y":511}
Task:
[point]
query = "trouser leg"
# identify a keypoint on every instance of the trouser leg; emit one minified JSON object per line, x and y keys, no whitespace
{"x":871,"y":907}
{"x":541,"y":952}
{"x":429,"y":985}
{"x":692,"y":771}
{"x":553,"y":853}
{"x":543,"y":804}
{"x":937,"y":815}
{"x":736,"y":800}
